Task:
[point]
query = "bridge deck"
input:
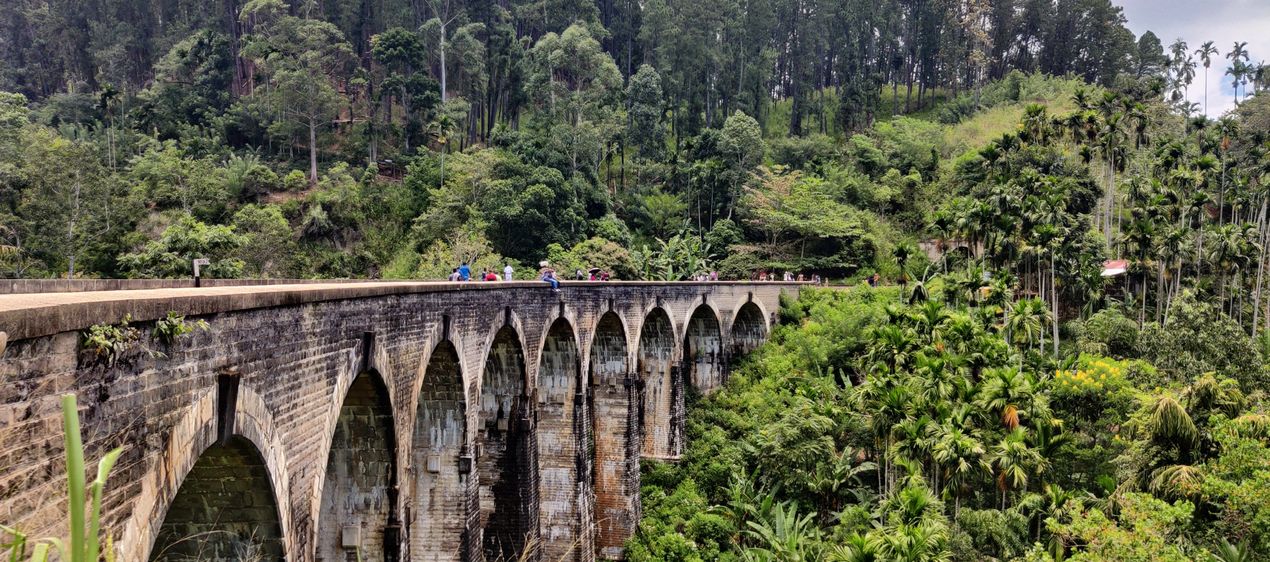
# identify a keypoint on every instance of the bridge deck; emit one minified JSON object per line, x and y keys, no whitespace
{"x":30,"y":315}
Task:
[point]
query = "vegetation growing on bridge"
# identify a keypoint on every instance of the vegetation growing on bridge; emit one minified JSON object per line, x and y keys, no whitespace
{"x":870,"y":429}
{"x":108,"y":343}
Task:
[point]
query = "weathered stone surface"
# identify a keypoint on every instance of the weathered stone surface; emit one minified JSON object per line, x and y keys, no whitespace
{"x":507,"y":414}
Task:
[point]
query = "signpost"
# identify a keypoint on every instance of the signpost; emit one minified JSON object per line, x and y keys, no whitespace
{"x":198,"y":263}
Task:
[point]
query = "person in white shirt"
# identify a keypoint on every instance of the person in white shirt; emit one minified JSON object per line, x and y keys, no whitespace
{"x":507,"y":273}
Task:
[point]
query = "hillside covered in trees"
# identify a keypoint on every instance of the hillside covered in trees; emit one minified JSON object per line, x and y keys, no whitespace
{"x":874,"y":429}
{"x":393,"y":138}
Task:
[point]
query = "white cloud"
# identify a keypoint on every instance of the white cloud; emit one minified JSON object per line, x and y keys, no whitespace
{"x":1195,"y":22}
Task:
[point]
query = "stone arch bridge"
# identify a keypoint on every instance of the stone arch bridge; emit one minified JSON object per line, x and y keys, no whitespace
{"x":372,"y":421}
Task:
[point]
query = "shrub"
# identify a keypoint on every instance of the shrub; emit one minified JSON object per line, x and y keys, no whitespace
{"x":109,"y":342}
{"x":295,"y":180}
{"x":173,"y":327}
{"x":1197,"y":338}
{"x":1108,"y":332}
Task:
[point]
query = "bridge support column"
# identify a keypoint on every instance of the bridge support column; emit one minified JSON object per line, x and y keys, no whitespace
{"x":441,"y":472}
{"x":616,"y":434}
{"x":559,"y":447}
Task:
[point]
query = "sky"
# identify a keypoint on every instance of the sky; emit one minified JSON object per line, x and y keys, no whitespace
{"x":1197,"y":21}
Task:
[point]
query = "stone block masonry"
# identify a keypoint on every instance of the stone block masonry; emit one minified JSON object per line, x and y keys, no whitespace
{"x":388,"y":420}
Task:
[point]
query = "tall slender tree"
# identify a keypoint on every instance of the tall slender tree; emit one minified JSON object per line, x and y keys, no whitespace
{"x":1206,"y":52}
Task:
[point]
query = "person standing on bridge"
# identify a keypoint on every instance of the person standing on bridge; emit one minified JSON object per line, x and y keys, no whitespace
{"x":465,"y":272}
{"x":507,"y":272}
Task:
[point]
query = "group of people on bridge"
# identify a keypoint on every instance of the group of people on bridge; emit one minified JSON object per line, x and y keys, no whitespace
{"x":545,"y":273}
{"x":464,"y":273}
{"x":787,"y":276}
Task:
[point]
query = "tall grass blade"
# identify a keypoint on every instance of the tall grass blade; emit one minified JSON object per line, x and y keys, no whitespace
{"x":74,"y":478}
{"x":94,"y":521}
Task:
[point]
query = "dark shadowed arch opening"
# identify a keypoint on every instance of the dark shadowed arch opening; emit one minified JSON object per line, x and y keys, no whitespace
{"x":440,"y":430}
{"x":615,"y":432}
{"x":562,"y":428}
{"x":224,"y":511}
{"x":703,"y":350}
{"x":506,"y":464}
{"x":656,"y":370}
{"x":748,"y":329}
{"x":358,"y":516}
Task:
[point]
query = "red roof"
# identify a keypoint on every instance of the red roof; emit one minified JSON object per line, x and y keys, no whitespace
{"x":1114,"y":267}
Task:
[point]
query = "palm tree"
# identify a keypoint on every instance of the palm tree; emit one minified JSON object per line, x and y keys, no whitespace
{"x":858,"y":548}
{"x":441,"y":129}
{"x":959,"y":457}
{"x":889,"y":404}
{"x":1232,"y":251}
{"x":784,"y":536}
{"x":914,"y":528}
{"x":1138,"y":240}
{"x":1027,"y":322}
{"x":902,"y":253}
{"x":1206,"y":52}
{"x":929,"y":319}
{"x":892,"y":347}
{"x":1046,"y":504}
{"x":1005,"y":392}
{"x":1168,"y":255}
{"x":1013,"y":461}
{"x":1111,"y":139}
{"x":1238,"y":56}
{"x":1236,"y":73}
{"x":1178,"y":61}
{"x":912,"y":440}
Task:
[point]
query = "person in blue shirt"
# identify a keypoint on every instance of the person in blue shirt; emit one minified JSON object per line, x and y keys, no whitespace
{"x":465,"y":272}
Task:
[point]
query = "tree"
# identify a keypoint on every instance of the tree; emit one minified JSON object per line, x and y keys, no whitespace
{"x":303,"y":60}
{"x":645,"y":109}
{"x":1014,"y":462}
{"x":1206,"y":52}
{"x":402,"y":54}
{"x":961,"y":458}
{"x":1145,"y":531}
{"x":742,"y":147}
{"x":1150,"y":58}
{"x":797,"y":215}
{"x":575,"y":85}
{"x":186,"y":239}
{"x":168,"y":178}
{"x":267,"y":245}
{"x":63,"y":205}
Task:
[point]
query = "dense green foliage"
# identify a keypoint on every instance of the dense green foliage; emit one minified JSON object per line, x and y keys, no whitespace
{"x":395,"y":139}
{"x":871,"y":429}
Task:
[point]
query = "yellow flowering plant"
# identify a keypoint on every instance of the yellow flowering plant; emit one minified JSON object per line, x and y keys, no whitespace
{"x":1090,"y":374}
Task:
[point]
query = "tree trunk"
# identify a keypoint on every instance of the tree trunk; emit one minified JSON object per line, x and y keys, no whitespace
{"x":71,"y":246}
{"x":313,"y":177}
{"x":1054,"y":298}
{"x":442,"y":49}
{"x":1261,"y":266}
